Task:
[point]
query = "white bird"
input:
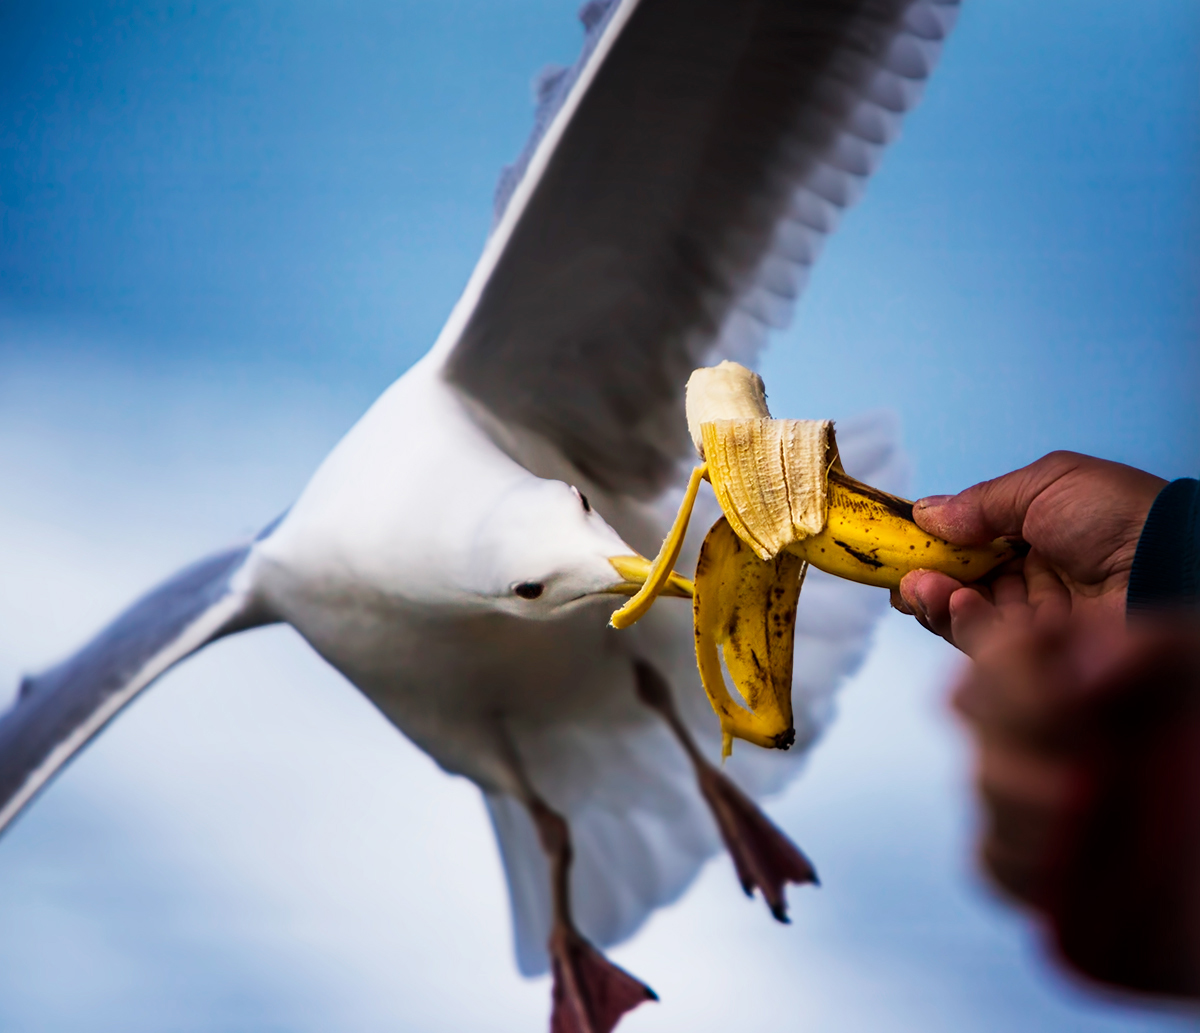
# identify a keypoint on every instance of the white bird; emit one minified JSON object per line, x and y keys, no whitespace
{"x":457,"y":554}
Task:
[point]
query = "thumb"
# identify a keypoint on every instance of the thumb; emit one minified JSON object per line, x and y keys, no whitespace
{"x":995,"y":508}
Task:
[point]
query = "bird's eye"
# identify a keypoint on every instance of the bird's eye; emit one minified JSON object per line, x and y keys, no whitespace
{"x":583,"y":499}
{"x":529,"y":589}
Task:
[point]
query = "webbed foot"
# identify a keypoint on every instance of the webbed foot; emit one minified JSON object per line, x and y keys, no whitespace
{"x":590,"y":992}
{"x":762,"y":855}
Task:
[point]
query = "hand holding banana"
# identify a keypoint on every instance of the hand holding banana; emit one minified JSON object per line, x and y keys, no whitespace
{"x":787,"y":503}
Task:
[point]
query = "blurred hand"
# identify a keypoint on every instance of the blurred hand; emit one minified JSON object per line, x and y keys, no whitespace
{"x":1088,"y":763}
{"x":1081,"y":518}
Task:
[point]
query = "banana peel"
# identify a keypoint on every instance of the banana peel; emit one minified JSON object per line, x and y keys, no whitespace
{"x":787,"y":503}
{"x":747,"y":607}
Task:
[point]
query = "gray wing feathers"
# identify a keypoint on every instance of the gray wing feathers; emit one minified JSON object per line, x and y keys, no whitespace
{"x":57,"y":712}
{"x":551,"y":88}
{"x":710,"y":147}
{"x":837,"y":180}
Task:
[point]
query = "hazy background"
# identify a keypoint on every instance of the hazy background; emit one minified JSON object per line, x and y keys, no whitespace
{"x":224,"y":230}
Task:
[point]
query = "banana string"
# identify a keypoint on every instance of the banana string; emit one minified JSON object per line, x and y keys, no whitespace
{"x":664,"y":562}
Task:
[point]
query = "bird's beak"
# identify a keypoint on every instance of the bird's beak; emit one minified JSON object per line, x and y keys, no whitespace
{"x":635,"y":569}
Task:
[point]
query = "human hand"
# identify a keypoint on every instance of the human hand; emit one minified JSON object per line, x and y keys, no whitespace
{"x":1088,"y":764}
{"x":1081,"y":518}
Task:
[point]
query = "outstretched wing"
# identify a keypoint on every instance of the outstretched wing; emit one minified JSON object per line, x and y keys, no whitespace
{"x":678,"y":186}
{"x":57,"y":712}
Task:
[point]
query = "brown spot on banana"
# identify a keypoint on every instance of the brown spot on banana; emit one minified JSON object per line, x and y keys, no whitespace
{"x":862,"y":557}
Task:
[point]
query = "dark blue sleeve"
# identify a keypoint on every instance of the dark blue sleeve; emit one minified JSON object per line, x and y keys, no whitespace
{"x":1166,"y":566}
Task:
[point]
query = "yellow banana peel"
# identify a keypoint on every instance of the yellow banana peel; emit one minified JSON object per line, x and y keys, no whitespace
{"x":747,"y":607}
{"x":787,"y":502}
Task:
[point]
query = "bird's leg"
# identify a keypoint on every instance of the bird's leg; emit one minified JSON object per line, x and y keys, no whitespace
{"x":590,"y":993}
{"x":762,"y":855}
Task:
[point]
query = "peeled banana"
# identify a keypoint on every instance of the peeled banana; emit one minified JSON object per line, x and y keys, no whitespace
{"x":787,"y":502}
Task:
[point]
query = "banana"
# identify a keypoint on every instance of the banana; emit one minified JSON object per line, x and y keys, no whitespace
{"x":787,"y":503}
{"x":870,"y":537}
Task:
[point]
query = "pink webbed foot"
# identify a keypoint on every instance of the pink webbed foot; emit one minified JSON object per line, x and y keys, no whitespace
{"x":590,"y":992}
{"x":762,"y":855}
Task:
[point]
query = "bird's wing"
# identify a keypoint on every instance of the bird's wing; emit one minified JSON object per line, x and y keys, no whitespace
{"x":679,"y":183}
{"x":56,"y":713}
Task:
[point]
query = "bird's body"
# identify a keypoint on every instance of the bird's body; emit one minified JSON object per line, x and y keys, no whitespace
{"x":456,"y":554}
{"x":386,"y":565}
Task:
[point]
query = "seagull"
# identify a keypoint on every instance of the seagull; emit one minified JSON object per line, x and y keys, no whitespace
{"x":459,"y":553}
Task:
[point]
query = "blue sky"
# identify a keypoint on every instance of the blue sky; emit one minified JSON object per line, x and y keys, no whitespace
{"x":224,"y":231}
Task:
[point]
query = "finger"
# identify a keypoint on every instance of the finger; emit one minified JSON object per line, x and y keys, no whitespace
{"x":927,"y":594}
{"x":898,"y":603}
{"x":1018,"y":841}
{"x":1012,"y":872}
{"x":1019,"y":685}
{"x":1021,"y":771}
{"x":994,"y":508}
{"x":1010,"y":593}
{"x":973,"y":616}
{"x":1027,"y":793}
{"x":1048,"y":596}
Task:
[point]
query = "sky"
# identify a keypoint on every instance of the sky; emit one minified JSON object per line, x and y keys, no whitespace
{"x":224,"y":230}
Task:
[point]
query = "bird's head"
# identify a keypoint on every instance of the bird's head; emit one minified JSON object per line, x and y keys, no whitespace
{"x":543,"y":549}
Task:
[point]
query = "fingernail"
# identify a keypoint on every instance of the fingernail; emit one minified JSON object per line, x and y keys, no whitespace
{"x":932,"y":501}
